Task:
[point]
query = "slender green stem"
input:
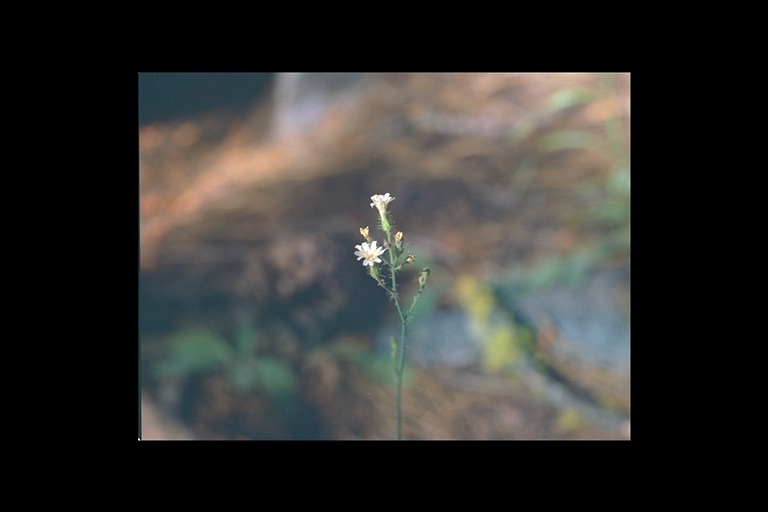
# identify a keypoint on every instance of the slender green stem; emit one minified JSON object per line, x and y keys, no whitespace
{"x":415,"y":298}
{"x":400,"y":362}
{"x":401,"y":342}
{"x":401,"y":365}
{"x":401,"y":345}
{"x":381,"y":283}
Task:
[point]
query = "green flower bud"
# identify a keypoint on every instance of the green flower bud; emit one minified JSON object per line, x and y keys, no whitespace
{"x":423,"y":277}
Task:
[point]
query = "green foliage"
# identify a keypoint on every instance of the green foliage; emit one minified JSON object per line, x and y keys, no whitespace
{"x":245,"y":374}
{"x":567,"y":139}
{"x":199,"y":350}
{"x":244,"y":339}
{"x":274,"y":375}
{"x":571,"y":97}
{"x":614,"y":210}
{"x":608,"y":200}
{"x":194,"y":350}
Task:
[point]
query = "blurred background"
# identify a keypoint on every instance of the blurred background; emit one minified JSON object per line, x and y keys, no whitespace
{"x":256,"y":319}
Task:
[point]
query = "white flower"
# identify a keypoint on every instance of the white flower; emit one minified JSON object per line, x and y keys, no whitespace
{"x":370,"y":253}
{"x":381,"y":202}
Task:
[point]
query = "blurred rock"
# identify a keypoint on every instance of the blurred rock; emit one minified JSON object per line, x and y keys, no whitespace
{"x":583,"y":333}
{"x":302,"y":99}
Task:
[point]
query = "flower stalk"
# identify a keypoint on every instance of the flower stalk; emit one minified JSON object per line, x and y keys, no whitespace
{"x":371,"y":254}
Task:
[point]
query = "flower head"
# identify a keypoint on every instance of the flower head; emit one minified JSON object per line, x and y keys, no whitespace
{"x":371,"y":253}
{"x":364,"y":231}
{"x":381,"y":202}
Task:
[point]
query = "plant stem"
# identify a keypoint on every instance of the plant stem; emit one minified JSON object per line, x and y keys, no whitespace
{"x":400,"y":384}
{"x":393,"y":268}
{"x":401,"y":342}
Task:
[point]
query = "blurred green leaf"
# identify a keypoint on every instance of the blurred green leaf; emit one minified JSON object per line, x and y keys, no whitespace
{"x":619,"y":181}
{"x":571,"y":97}
{"x":244,"y":375}
{"x":567,"y":139}
{"x":195,"y":350}
{"x":613,"y":213}
{"x":244,"y":339}
{"x":619,"y":241}
{"x":275,"y":375}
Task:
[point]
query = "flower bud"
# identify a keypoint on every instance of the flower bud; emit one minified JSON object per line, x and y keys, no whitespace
{"x":410,"y":259}
{"x":398,"y":243}
{"x":423,"y":277}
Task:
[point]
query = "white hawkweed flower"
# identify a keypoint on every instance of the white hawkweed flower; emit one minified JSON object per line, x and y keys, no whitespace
{"x":369,"y":253}
{"x":381,"y":202}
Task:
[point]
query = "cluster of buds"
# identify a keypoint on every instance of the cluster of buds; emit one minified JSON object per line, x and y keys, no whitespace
{"x":370,"y":252}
